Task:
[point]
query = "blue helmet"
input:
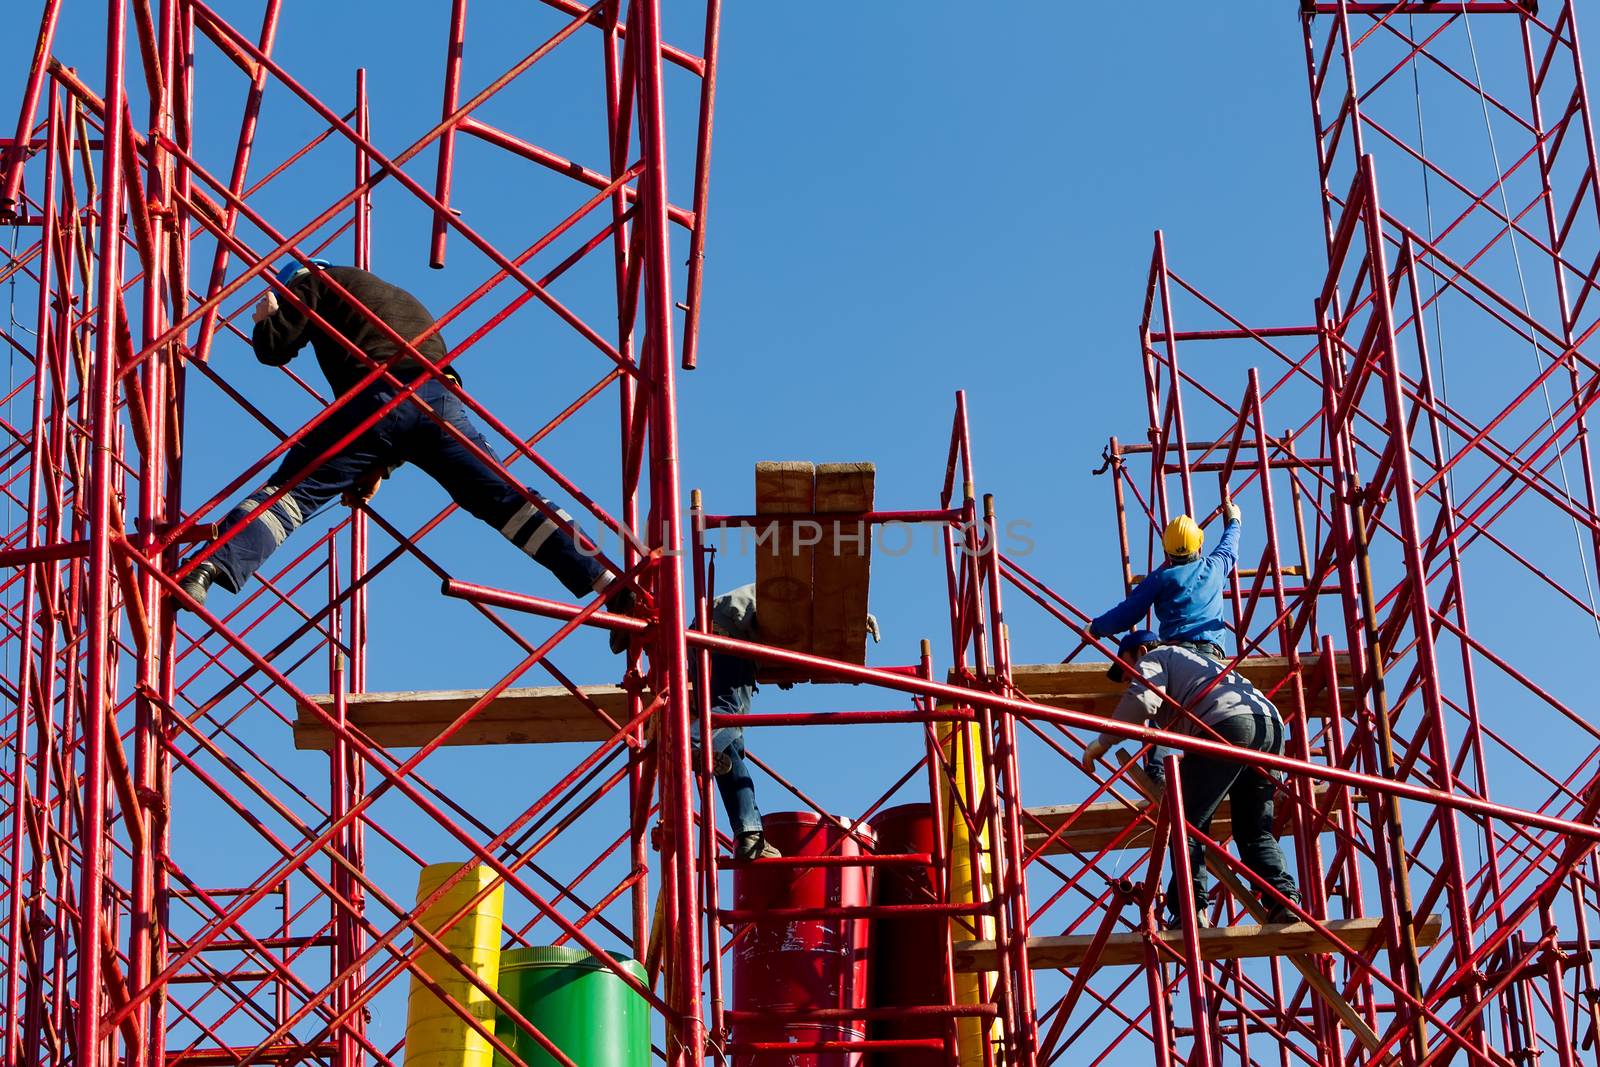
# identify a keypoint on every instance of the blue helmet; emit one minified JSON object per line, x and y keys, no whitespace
{"x":294,"y":268}
{"x":1130,"y":641}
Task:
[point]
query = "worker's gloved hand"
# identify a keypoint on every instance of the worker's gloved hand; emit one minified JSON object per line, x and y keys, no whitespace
{"x":785,"y":685}
{"x":1096,"y":749}
{"x":1231,"y":510}
{"x":623,"y":602}
{"x":872,"y":628}
{"x":267,"y":305}
{"x":365,"y":489}
{"x":626,"y":602}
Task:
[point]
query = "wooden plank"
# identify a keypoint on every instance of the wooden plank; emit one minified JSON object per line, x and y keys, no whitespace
{"x":843,"y":566}
{"x":1309,"y":968}
{"x":1085,"y":687}
{"x":1223,"y":943}
{"x":411,"y":719}
{"x":783,"y":567}
{"x":1095,"y":826}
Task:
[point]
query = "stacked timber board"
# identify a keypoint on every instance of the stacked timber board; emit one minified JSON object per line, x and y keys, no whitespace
{"x":812,"y":576}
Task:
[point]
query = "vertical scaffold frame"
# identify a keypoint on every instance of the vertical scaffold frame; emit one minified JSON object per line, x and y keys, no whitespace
{"x":1437,"y":923}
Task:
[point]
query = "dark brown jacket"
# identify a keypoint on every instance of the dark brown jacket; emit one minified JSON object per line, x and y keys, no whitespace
{"x":279,"y":337}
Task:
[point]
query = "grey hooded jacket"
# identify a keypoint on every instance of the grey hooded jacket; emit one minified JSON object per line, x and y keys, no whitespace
{"x":1183,"y":674}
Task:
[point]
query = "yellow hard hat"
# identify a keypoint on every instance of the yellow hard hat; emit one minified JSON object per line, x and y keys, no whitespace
{"x":1183,"y":538}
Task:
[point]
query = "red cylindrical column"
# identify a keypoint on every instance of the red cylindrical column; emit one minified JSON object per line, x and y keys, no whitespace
{"x":907,"y":957}
{"x":790,"y":967}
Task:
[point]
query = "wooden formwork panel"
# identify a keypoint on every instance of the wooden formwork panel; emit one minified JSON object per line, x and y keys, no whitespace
{"x":783,"y":565}
{"x":843,"y":566}
{"x":813,"y":576}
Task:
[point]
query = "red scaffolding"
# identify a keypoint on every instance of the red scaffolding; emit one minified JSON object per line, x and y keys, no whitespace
{"x":1438,"y":924}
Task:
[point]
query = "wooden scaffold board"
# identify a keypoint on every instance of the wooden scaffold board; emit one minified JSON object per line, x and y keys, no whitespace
{"x":1221,"y":943}
{"x":1085,"y":687}
{"x":412,"y":718}
{"x":1096,"y":826}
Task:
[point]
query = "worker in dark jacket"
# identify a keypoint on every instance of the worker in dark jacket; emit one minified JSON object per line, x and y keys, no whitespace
{"x":1185,"y":591}
{"x":1218,"y":706}
{"x":407,"y":434}
{"x":733,"y":686}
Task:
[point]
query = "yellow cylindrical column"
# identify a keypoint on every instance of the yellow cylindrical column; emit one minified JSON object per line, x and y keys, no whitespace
{"x":437,"y":1036}
{"x":969,"y":878}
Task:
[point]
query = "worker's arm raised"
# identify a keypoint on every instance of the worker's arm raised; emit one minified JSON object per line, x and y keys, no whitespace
{"x":1126,"y":614}
{"x":281,"y":328}
{"x":1227,"y":550}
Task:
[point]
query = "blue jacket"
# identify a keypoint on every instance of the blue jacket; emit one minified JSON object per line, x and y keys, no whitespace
{"x":1187,"y":598}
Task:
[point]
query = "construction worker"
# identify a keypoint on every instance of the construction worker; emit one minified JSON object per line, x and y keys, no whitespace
{"x":733,"y":686}
{"x":406,"y":434}
{"x":1185,"y":591}
{"x":1231,"y":710}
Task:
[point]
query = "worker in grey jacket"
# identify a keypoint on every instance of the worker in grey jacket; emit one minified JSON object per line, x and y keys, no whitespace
{"x":1231,"y":710}
{"x":733,"y":686}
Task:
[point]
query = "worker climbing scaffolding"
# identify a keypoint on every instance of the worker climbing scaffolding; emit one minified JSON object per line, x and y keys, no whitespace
{"x":732,"y":688}
{"x":364,"y":313}
{"x":1219,"y":704}
{"x":732,"y":682}
{"x":1185,"y":592}
{"x":1385,"y":751}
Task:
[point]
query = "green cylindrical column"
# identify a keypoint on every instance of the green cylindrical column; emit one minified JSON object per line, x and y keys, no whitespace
{"x":578,"y":1003}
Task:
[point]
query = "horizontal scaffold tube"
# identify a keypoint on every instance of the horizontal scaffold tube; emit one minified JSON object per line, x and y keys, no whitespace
{"x":852,"y":672}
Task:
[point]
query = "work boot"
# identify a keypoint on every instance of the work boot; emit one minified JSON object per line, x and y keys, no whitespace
{"x":198,"y":583}
{"x":1202,"y":916}
{"x":1202,"y":920}
{"x":625,"y":602}
{"x":1279,"y":913}
{"x":752,"y":845}
{"x":721,"y":762}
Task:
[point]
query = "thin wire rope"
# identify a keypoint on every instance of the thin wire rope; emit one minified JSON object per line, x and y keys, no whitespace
{"x":1438,"y":347}
{"x":1527,"y":309}
{"x":1433,"y":278}
{"x":1505,"y":207}
{"x":1448,"y":437}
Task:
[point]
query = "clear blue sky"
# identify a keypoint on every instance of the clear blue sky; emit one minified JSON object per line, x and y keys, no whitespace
{"x":906,"y":200}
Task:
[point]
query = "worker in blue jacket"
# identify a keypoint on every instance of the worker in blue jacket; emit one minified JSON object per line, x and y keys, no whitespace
{"x":1185,"y":591}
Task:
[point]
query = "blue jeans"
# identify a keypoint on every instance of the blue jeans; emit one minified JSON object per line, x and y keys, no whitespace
{"x":1250,"y":790}
{"x":733,"y":685}
{"x":405,"y":435}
